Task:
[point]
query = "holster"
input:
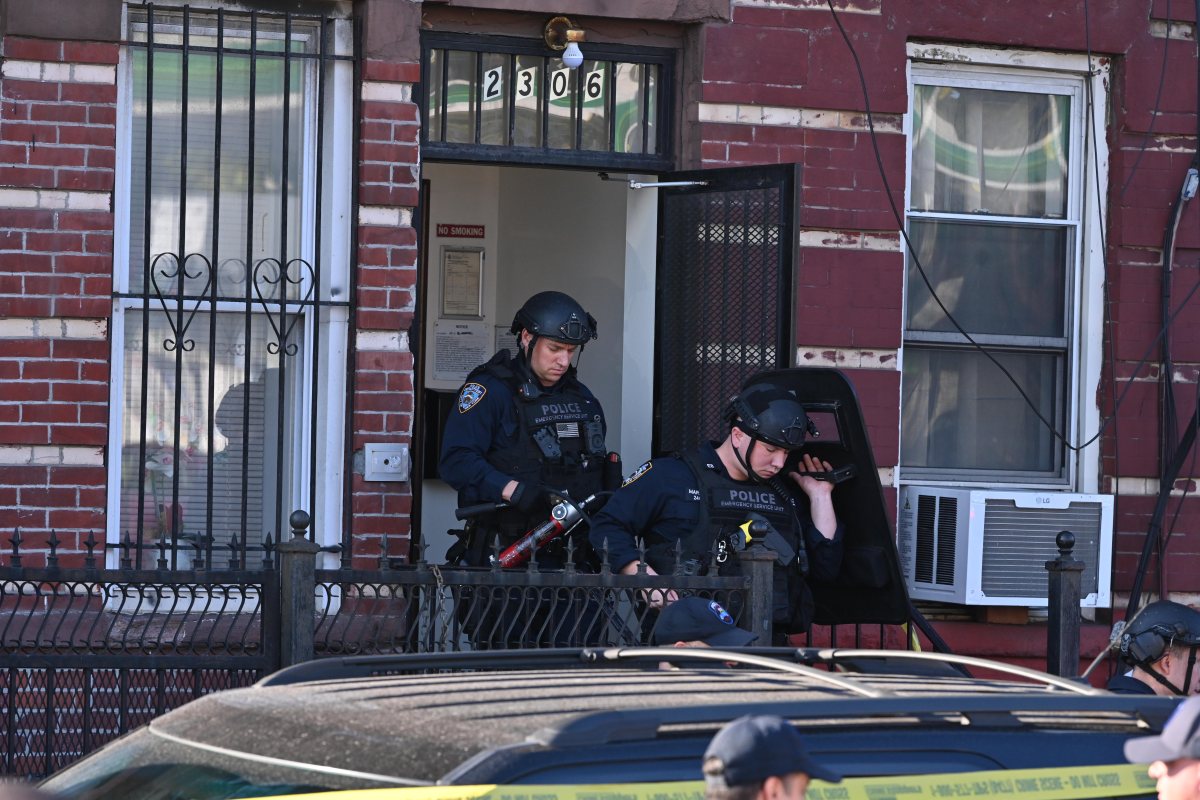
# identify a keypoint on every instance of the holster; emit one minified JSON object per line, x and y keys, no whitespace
{"x":469,"y":547}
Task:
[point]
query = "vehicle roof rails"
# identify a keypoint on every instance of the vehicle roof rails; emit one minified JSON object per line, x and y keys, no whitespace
{"x":607,"y":727}
{"x":796,"y":661}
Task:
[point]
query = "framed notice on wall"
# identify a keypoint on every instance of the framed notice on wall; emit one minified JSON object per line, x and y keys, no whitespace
{"x":462,"y":282}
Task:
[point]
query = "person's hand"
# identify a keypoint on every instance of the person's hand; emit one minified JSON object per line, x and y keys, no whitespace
{"x":808,"y":484}
{"x":655,"y":598}
{"x":530,"y":496}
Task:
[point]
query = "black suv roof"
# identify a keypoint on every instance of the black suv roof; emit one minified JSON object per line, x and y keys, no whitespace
{"x":583,"y":715}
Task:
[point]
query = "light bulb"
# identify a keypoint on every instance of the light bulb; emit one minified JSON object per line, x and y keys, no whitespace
{"x":572,"y":56}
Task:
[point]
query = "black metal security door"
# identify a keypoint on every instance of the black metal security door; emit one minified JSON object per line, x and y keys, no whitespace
{"x":724,"y":305}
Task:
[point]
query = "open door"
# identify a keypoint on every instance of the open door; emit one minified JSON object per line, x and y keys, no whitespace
{"x":724,"y":313}
{"x":724,"y":292}
{"x":870,"y":587}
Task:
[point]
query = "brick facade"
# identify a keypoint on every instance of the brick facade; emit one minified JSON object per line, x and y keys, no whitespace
{"x":57,"y":160}
{"x":774,"y":84}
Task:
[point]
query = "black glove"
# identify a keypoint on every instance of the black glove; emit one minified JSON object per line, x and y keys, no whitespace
{"x":529,"y":497}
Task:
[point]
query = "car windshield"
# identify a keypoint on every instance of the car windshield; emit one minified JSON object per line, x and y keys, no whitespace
{"x":147,"y":766}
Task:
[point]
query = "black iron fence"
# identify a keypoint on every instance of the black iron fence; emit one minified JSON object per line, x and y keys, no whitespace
{"x":89,"y":652}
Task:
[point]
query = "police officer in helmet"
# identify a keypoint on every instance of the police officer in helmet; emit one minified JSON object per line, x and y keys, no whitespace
{"x":704,"y":498}
{"x":526,"y":429}
{"x":1160,"y":643}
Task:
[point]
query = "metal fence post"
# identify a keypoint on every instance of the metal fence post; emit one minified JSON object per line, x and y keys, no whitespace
{"x":297,"y":587}
{"x":759,"y":565}
{"x":1062,"y":633}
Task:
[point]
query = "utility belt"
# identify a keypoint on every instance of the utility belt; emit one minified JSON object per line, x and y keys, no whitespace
{"x":478,"y":538}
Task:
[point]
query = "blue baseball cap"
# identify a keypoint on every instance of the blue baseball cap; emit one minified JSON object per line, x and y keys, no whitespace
{"x":1180,"y":737}
{"x":691,"y":619}
{"x":753,"y":748}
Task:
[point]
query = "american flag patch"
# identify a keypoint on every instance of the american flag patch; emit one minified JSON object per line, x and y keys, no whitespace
{"x":567,"y":430}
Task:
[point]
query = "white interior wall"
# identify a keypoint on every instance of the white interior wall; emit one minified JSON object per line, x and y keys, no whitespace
{"x":562,"y":230}
{"x":460,"y":195}
{"x":565,"y":231}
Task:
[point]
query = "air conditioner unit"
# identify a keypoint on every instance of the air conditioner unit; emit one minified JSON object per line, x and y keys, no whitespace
{"x":977,"y":547}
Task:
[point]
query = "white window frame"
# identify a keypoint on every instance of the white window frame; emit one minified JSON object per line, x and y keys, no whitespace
{"x":333,"y":321}
{"x":979,"y":67}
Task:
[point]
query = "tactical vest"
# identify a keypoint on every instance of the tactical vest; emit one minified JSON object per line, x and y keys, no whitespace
{"x":559,"y":444}
{"x":715,"y":543}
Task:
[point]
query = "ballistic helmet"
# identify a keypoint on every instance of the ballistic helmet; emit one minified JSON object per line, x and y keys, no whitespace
{"x":769,"y":414}
{"x":1156,"y":627}
{"x":557,"y":316}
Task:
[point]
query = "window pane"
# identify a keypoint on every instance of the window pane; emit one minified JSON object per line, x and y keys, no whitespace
{"x":433,"y":107}
{"x":995,"y":279}
{"x":962,"y":413}
{"x":460,"y":96}
{"x":593,"y":79}
{"x":245,"y":432}
{"x":182,"y":185}
{"x":629,"y":108}
{"x":988,"y":151}
{"x":528,"y":125}
{"x":494,"y":99}
{"x":650,"y":112}
{"x":560,"y":132}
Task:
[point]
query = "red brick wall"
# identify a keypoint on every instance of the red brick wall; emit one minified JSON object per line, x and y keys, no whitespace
{"x":57,"y":155}
{"x":388,"y":174}
{"x":787,"y":63}
{"x":780,"y":85}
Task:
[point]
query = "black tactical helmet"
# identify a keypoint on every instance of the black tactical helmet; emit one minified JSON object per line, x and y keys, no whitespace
{"x":556,"y":316}
{"x":1156,"y":627}
{"x":769,"y":414}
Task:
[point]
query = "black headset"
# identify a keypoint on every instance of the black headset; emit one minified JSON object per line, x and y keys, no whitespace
{"x":1148,"y":646}
{"x":1143,"y":648}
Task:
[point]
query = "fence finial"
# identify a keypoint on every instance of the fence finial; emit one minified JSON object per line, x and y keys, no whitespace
{"x":299,"y":520}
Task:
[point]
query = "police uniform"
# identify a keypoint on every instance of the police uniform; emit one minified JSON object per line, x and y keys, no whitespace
{"x":693,"y":500}
{"x":1125,"y":683}
{"x":505,"y":427}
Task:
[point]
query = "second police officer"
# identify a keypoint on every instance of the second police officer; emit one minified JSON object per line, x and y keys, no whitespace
{"x":702,"y":499}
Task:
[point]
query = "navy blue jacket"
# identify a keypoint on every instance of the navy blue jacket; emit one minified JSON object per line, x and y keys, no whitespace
{"x":661,"y":501}
{"x":484,"y":425}
{"x":1127,"y":684}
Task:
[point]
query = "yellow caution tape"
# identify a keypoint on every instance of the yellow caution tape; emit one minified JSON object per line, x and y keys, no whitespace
{"x":1053,"y":783}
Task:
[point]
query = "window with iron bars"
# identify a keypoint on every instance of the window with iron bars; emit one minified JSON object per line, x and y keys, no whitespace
{"x":230,"y":282}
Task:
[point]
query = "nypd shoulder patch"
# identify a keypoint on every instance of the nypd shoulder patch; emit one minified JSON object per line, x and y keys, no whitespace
{"x":470,"y":395}
{"x":719,"y":612}
{"x":639,"y":472}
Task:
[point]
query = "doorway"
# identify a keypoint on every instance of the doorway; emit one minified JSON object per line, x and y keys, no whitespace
{"x":518,"y":231}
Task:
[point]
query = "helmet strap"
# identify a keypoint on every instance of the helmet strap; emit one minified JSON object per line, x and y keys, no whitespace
{"x":530,"y":387}
{"x":744,"y":462}
{"x":1187,"y":678}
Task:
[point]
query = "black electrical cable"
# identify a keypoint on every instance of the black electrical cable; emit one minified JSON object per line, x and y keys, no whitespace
{"x":1109,"y":342}
{"x":887,"y":190}
{"x":1170,"y":469}
{"x":1187,"y":488}
{"x":925,"y":278}
{"x":1154,"y":529}
{"x":1186,"y":444}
